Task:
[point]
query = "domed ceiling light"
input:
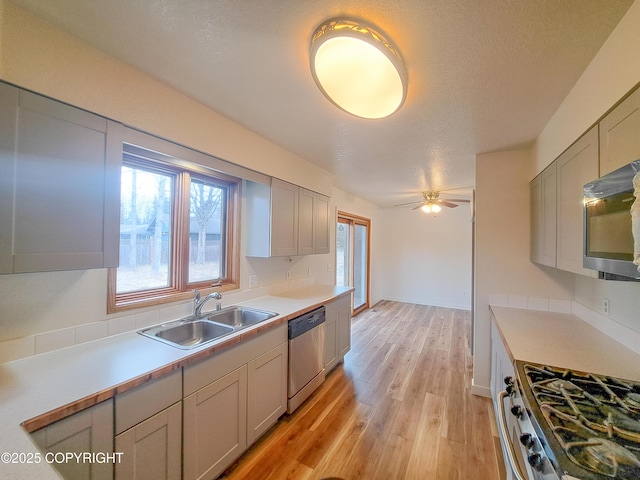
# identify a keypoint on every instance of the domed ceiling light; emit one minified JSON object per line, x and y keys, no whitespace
{"x":357,"y":68}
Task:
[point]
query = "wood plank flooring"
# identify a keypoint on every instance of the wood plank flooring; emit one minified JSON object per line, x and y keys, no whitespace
{"x":400,"y":407}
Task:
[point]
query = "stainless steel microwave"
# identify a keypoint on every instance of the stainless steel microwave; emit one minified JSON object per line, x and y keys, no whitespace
{"x":609,"y":224}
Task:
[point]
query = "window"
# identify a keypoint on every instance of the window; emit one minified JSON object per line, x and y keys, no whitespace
{"x":178,"y":230}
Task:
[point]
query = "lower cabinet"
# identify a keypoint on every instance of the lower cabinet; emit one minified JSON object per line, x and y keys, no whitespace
{"x":90,"y":430}
{"x":267,"y":391}
{"x":215,"y":426}
{"x":337,"y":331}
{"x":330,"y":342}
{"x":231,"y":399}
{"x":190,"y":424}
{"x":148,"y":428}
{"x":152,"y":449}
{"x":344,"y":331}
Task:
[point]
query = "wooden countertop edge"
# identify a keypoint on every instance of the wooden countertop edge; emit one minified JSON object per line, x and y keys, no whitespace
{"x":47,"y":418}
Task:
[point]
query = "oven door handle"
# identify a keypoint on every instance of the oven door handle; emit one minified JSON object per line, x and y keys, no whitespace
{"x":504,"y":433}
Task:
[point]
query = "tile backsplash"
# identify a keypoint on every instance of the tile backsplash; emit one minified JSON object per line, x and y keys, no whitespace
{"x":610,"y":327}
{"x":22,"y":347}
{"x":532,"y":303}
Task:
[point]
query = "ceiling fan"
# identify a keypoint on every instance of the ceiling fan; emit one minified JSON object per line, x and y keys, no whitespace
{"x":432,"y":203}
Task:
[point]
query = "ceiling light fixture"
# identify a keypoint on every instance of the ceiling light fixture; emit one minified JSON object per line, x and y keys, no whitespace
{"x":357,"y":68}
{"x":431,"y":207}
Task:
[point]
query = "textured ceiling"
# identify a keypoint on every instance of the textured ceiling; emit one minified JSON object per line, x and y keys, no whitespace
{"x":484,"y":75}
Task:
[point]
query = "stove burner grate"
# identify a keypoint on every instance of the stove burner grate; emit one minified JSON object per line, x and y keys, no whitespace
{"x":594,"y":418}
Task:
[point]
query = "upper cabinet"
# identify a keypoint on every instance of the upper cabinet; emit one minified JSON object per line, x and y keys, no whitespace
{"x":543,"y":217}
{"x":285,"y":220}
{"x":313,"y":222}
{"x":59,"y":185}
{"x":557,"y":194}
{"x":321,"y":224}
{"x":620,"y":135}
{"x":575,"y":167}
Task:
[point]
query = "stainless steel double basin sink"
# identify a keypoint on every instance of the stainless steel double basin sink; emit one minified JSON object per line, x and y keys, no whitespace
{"x":191,"y":332}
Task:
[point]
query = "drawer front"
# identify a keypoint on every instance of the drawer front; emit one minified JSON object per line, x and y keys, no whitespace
{"x":218,"y":365}
{"x":142,"y":402}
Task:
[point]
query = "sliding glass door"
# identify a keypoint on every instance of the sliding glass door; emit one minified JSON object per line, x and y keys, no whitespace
{"x":352,"y":257}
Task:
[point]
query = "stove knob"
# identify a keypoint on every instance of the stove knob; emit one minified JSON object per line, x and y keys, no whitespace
{"x":517,"y":411}
{"x":535,"y":460}
{"x":510,"y":383}
{"x":526,"y":439}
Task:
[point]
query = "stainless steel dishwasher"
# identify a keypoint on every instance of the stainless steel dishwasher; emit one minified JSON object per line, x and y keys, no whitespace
{"x":306,"y":356}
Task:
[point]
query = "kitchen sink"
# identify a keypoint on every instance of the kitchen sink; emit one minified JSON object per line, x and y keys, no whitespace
{"x":240,"y":317}
{"x":191,"y":332}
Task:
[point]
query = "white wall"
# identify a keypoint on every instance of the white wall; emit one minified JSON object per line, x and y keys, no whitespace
{"x":39,"y":57}
{"x":502,"y":193}
{"x":49,"y":310}
{"x":502,"y":249}
{"x":42,"y":311}
{"x":426,"y":259}
{"x":613,"y":72}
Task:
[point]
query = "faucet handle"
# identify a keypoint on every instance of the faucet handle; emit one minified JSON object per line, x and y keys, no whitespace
{"x":196,"y":295}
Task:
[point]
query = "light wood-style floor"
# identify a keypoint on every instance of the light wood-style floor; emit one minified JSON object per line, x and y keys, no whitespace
{"x":399,"y":408}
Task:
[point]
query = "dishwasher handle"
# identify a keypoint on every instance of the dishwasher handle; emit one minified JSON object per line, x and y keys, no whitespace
{"x":304,"y":323}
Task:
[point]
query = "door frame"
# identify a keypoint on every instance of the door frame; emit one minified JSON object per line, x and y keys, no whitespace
{"x":352,"y":220}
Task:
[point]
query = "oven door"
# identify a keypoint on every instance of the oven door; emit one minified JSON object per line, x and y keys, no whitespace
{"x":515,"y":453}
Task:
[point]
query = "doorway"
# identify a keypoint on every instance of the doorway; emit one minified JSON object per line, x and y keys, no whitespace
{"x":352,"y":257}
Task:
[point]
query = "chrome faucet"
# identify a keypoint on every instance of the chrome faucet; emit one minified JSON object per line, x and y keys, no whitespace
{"x":198,"y":304}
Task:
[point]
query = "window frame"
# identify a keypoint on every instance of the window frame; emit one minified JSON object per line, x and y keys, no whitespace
{"x":179,"y":286}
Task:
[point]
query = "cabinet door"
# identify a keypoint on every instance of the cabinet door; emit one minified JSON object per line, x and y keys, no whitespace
{"x":64,"y":170}
{"x":90,"y":430}
{"x":306,"y":223}
{"x":321,"y":225}
{"x":620,"y":135}
{"x":330,"y":343}
{"x":284,"y":218}
{"x":344,"y":331}
{"x":536,"y":219}
{"x":152,"y":449}
{"x":8,"y":121}
{"x":543,"y":217}
{"x":215,"y":426}
{"x":575,"y":167}
{"x":267,"y":391}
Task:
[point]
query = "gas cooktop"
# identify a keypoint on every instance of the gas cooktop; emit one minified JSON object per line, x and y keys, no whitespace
{"x":590,"y":422}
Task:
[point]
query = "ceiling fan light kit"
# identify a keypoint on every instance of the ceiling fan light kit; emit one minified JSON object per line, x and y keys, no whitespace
{"x":431,"y":208}
{"x":358,"y":68}
{"x":432,"y":203}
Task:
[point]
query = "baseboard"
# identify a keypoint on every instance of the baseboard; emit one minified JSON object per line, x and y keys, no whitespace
{"x":430,"y":304}
{"x":480,"y":391}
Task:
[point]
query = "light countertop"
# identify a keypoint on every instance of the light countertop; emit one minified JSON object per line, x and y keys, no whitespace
{"x":38,"y":390}
{"x":563,"y":340}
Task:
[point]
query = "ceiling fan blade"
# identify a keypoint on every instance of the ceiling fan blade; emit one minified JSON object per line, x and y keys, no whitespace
{"x":459,"y":200}
{"x":419,"y":206}
{"x":409,"y":203}
{"x":447,"y":204}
